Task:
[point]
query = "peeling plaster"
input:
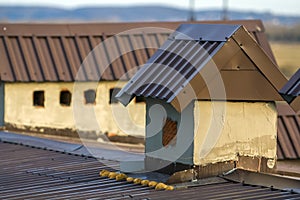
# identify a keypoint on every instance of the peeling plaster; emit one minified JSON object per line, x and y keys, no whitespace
{"x":250,"y":129}
{"x":20,"y":112}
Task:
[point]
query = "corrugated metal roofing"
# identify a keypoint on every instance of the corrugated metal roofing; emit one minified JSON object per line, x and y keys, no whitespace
{"x":185,"y":66}
{"x":54,"y":52}
{"x":31,"y":173}
{"x":58,"y":58}
{"x":288,"y":139}
{"x":176,"y":63}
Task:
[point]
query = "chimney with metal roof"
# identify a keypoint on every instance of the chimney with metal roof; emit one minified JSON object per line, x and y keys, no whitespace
{"x":210,"y":102}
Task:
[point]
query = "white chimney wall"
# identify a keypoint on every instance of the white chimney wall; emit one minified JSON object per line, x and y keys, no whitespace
{"x":224,"y":130}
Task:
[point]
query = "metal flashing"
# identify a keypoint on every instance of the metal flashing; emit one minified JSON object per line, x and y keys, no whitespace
{"x":205,"y":32}
{"x":268,"y":180}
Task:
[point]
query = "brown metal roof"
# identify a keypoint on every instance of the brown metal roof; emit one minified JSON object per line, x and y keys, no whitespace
{"x":288,"y":135}
{"x":291,"y":91}
{"x":31,"y":173}
{"x":54,"y":57}
{"x":54,"y":52}
{"x":182,"y":69}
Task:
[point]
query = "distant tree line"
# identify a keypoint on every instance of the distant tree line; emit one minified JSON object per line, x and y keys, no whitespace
{"x":283,"y":33}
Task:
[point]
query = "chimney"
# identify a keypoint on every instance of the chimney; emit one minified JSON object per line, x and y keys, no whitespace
{"x":210,"y":104}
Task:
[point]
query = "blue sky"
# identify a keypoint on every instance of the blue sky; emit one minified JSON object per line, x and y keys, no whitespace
{"x":286,"y":7}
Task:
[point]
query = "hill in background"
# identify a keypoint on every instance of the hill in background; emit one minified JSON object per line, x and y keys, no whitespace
{"x":129,"y":14}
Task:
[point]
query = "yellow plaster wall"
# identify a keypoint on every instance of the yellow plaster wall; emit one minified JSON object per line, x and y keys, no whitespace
{"x":227,"y":129}
{"x":102,"y":116}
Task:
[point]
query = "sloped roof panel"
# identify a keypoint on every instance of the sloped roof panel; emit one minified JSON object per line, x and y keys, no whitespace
{"x":185,"y":65}
{"x":55,"y":52}
{"x":28,"y":58}
{"x":178,"y":61}
{"x":170,"y":71}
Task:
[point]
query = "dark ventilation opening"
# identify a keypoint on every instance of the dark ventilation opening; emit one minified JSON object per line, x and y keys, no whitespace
{"x":169,"y":132}
{"x":90,"y":96}
{"x":65,"y":98}
{"x":140,"y":99}
{"x":112,"y":93}
{"x":39,"y":98}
